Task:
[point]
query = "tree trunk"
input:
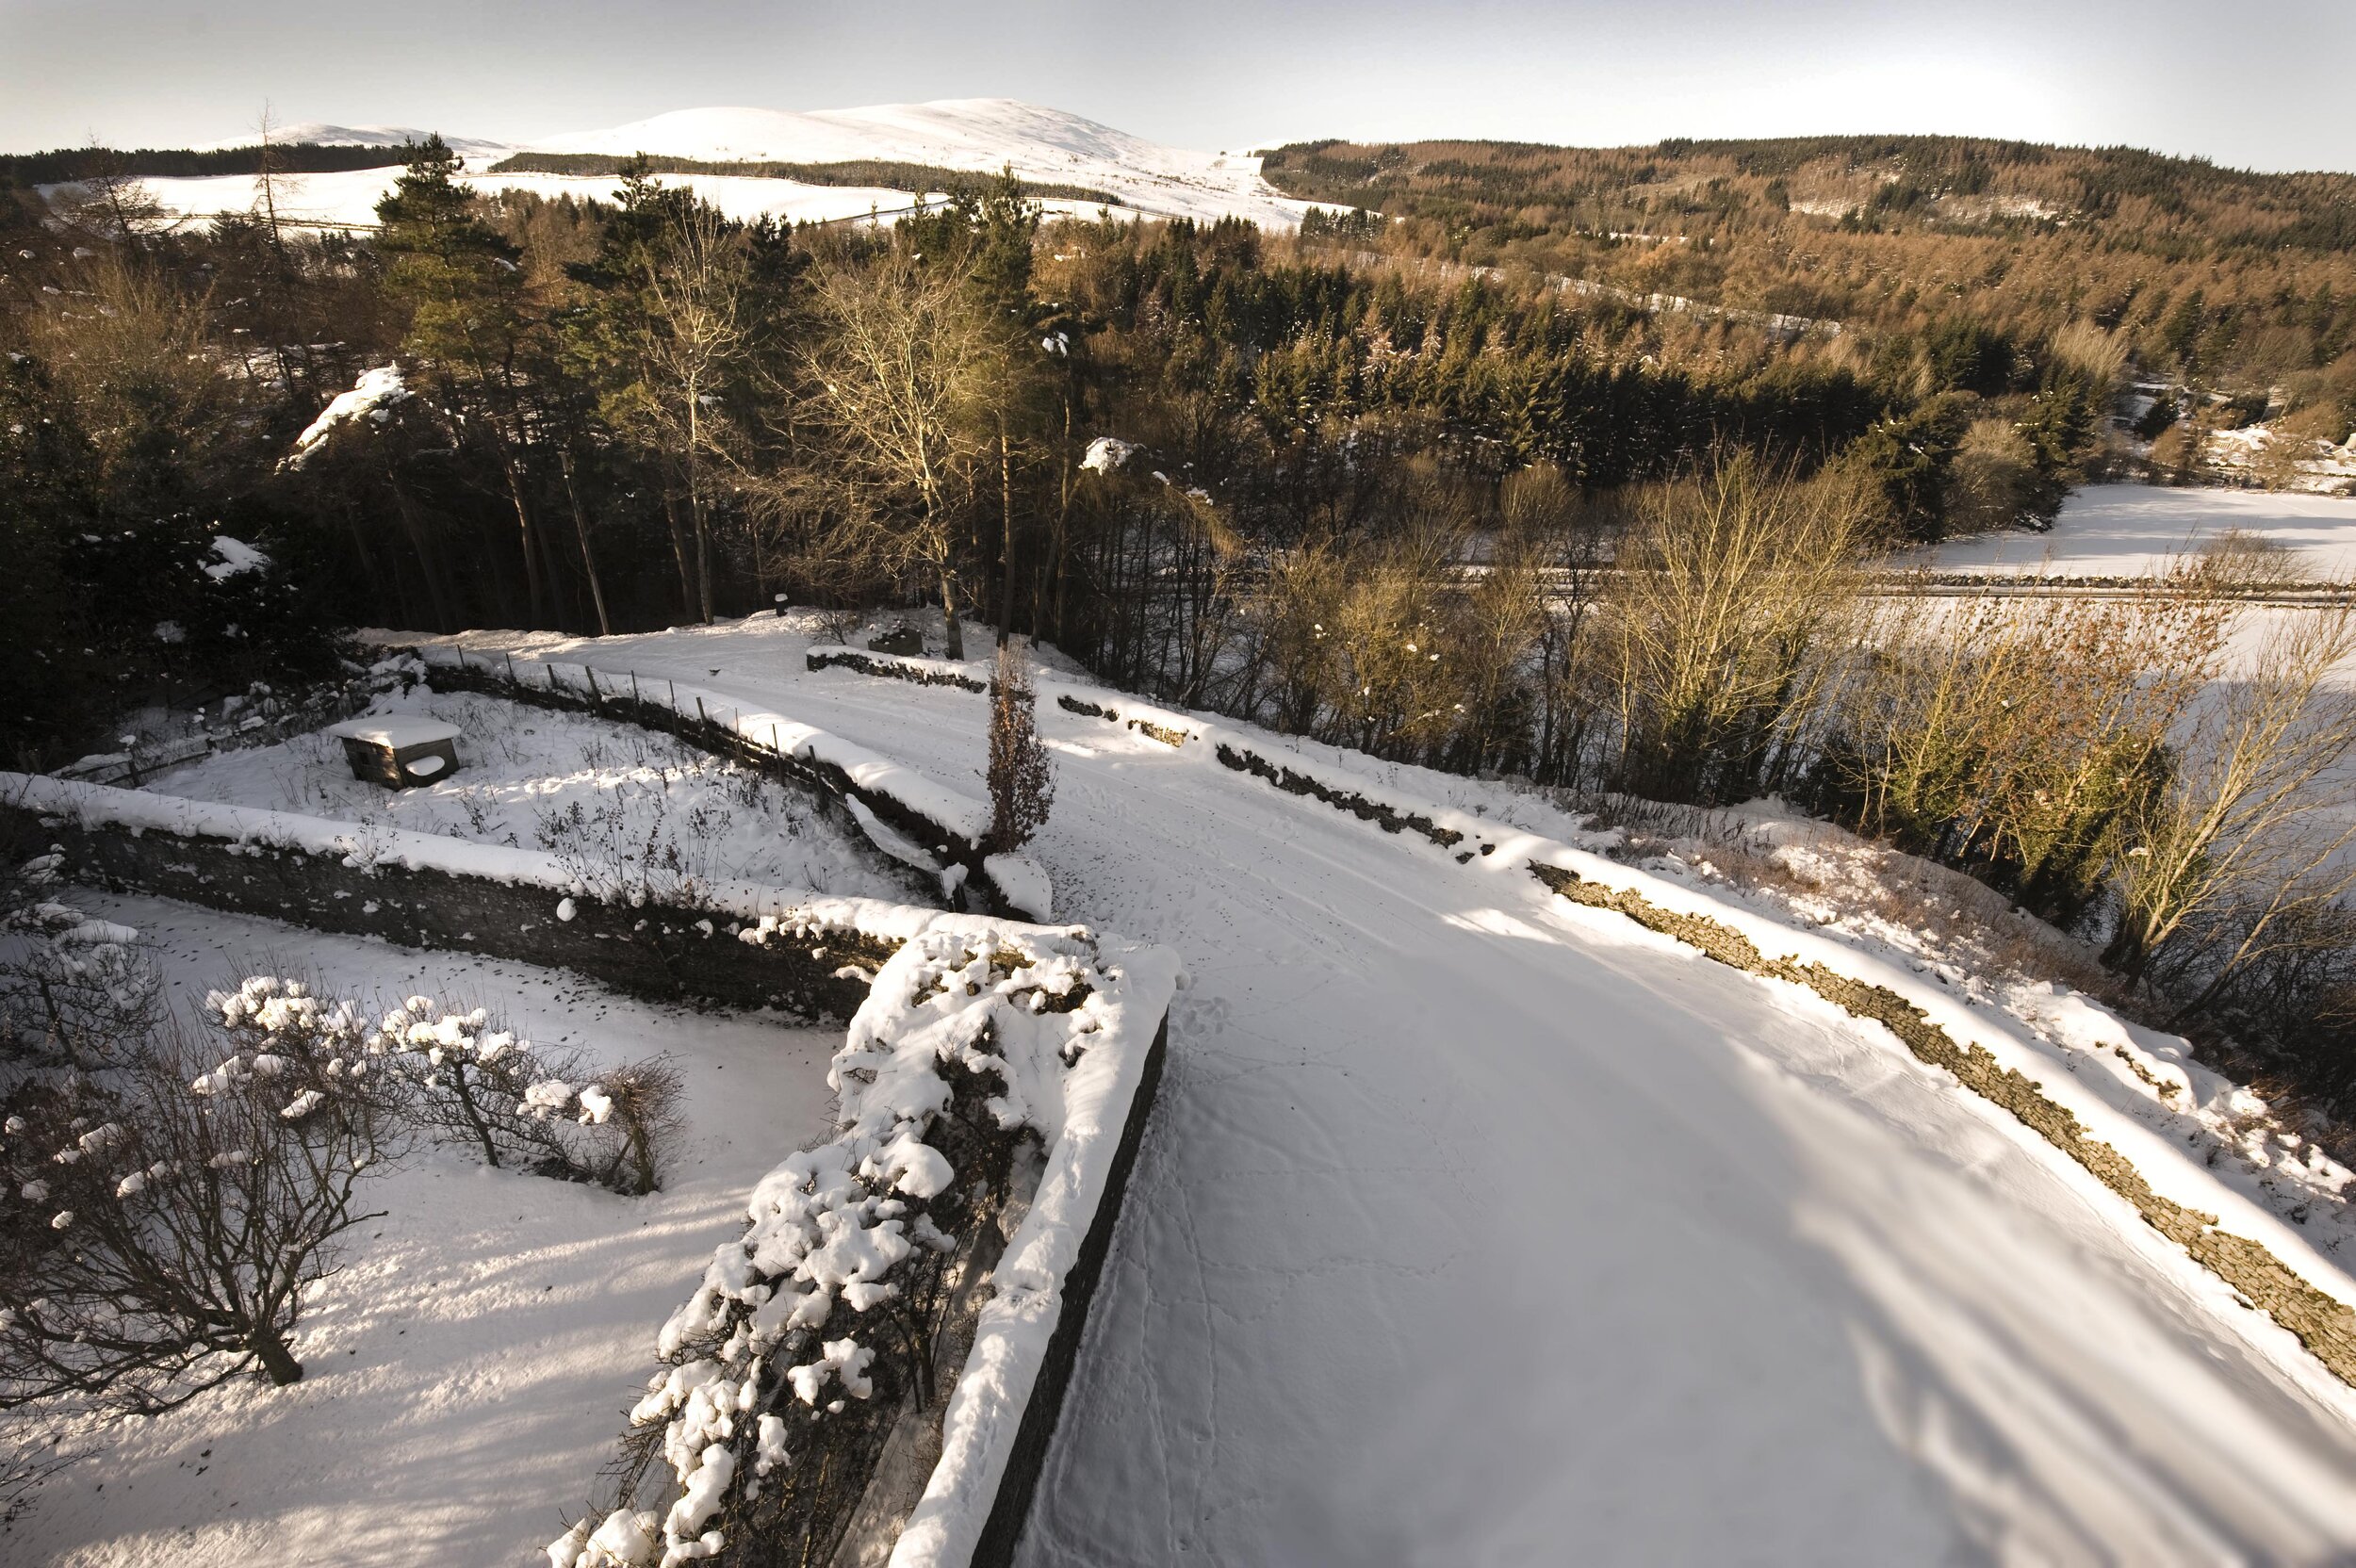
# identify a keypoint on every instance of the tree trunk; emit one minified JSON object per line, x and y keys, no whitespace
{"x":588,"y":561}
{"x":703,"y":553}
{"x":278,"y":1362}
{"x":415,"y":527}
{"x":535,"y":592}
{"x":955,"y":633}
{"x":679,"y":555}
{"x":1005,"y":539}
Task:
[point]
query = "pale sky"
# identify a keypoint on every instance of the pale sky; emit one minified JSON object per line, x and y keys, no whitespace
{"x":2265,"y":86}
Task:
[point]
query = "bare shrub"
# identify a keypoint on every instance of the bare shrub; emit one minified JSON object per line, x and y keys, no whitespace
{"x":172,"y":1212}
{"x":2098,"y":356}
{"x":1729,"y":583}
{"x":2237,"y":561}
{"x":621,"y":1126}
{"x":1022,"y":779}
{"x":2245,"y":847}
{"x":1993,"y":479}
{"x":469,"y":1084}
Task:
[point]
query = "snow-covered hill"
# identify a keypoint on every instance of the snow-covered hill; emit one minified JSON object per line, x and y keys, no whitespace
{"x":319,"y":133}
{"x":981,"y":134}
{"x":975,"y":135}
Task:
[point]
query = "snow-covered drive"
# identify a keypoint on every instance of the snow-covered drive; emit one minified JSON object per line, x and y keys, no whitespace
{"x":1476,"y":1227}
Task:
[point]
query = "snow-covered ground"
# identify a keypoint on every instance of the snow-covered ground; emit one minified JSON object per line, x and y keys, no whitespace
{"x":2134,"y":529}
{"x":640,"y":807}
{"x":1473,"y":1224}
{"x":467,"y":1373}
{"x":976,"y":134}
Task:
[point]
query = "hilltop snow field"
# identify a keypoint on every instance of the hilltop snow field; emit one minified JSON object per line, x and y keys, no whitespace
{"x":1473,"y":1224}
{"x":318,"y":133}
{"x":465,"y":1376}
{"x":346,"y":200}
{"x":2135,"y":529}
{"x":979,"y":136}
{"x":635,"y":806}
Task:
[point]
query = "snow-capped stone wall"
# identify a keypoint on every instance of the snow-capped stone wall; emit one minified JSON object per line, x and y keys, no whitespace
{"x":741,"y":945}
{"x":921,"y":820}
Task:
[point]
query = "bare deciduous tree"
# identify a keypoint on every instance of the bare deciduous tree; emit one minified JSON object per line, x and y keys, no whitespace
{"x":904,"y":371}
{"x":1727,"y":583}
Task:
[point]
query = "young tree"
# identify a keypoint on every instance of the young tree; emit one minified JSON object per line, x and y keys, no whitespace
{"x":1022,"y":780}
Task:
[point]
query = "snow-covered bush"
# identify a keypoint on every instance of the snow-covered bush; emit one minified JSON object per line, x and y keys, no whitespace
{"x":71,"y":988}
{"x":161,"y":1217}
{"x":619,"y":1127}
{"x":519,"y":1106}
{"x":810,"y":1334}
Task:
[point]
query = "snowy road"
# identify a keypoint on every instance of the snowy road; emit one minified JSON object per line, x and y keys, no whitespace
{"x":1474,"y":1228}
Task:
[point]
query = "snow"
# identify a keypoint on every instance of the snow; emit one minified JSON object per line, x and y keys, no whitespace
{"x":463,"y":1374}
{"x":395,"y":731}
{"x":964,"y":814}
{"x":318,"y":133}
{"x":372,"y":398}
{"x":231,"y":558}
{"x":628,"y":809}
{"x":2135,"y":529}
{"x":979,"y":136}
{"x":1472,"y":1221}
{"x":346,"y":199}
{"x":1023,"y":883}
{"x":1106,"y":453}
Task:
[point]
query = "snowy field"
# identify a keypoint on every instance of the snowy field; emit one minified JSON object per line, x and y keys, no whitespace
{"x":638,"y":808}
{"x":2109,"y":530}
{"x":1472,"y":1224}
{"x":468,"y":1370}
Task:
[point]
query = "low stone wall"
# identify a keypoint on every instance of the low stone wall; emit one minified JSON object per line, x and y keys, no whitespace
{"x":1004,"y":1532}
{"x":651,"y":950}
{"x":1388,"y":818}
{"x":890,"y":668}
{"x":2325,"y":1325}
{"x":829,"y":784}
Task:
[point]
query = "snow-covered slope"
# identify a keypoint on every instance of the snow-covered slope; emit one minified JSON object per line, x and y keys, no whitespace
{"x":981,"y":134}
{"x":974,"y":135}
{"x":321,"y":134}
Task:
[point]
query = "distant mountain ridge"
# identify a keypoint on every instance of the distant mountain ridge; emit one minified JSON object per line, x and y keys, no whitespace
{"x":321,"y":134}
{"x":972,"y":134}
{"x":1079,"y":163}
